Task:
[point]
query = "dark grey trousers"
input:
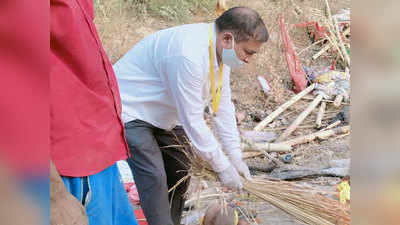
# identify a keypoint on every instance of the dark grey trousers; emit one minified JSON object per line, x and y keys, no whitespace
{"x":156,"y":168}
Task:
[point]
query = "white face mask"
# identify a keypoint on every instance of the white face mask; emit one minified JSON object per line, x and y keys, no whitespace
{"x":229,"y":57}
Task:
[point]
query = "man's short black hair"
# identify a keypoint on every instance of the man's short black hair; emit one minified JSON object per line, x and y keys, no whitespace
{"x":244,"y":23}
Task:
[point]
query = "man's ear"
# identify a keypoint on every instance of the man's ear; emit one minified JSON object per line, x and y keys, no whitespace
{"x":227,"y":39}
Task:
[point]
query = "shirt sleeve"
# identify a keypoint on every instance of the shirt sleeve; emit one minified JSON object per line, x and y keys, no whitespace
{"x":225,"y":121}
{"x":184,"y":80}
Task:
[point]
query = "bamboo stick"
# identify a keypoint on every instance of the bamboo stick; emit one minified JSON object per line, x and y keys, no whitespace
{"x":320,"y":114}
{"x":313,"y":44}
{"x":320,"y":134}
{"x":341,"y":45}
{"x":341,"y":136}
{"x":283,"y":107}
{"x":300,"y":118}
{"x":323,"y":100}
{"x":264,"y":146}
{"x":322,"y":51}
{"x":332,"y":125}
{"x":327,"y":46}
{"x":338,"y":101}
{"x":246,"y":155}
{"x":285,"y":127}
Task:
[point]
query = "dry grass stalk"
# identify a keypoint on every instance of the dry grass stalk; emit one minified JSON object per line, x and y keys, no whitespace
{"x":304,"y":203}
{"x":283,"y":107}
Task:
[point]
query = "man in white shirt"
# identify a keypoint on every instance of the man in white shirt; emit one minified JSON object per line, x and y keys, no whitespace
{"x":166,"y":82}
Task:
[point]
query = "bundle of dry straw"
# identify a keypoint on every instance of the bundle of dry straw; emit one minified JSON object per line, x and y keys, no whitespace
{"x":305,"y":203}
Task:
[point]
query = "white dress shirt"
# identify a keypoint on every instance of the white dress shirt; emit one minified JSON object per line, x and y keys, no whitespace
{"x":165,"y":80}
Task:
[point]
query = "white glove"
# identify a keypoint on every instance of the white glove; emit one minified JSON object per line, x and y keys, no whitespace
{"x":241,"y":167}
{"x":230,"y":178}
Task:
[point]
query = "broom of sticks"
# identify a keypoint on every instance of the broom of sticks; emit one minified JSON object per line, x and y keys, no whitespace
{"x":307,"y":204}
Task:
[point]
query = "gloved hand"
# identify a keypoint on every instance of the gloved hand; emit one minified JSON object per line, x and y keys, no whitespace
{"x":230,"y":178}
{"x":241,"y":167}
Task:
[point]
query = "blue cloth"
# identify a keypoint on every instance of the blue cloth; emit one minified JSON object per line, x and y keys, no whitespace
{"x":37,"y":189}
{"x":103,"y":196}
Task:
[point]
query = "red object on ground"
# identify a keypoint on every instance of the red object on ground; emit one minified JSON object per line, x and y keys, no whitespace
{"x":133,"y":195}
{"x":317,"y":31}
{"x":295,"y":69}
{"x":140,"y":217}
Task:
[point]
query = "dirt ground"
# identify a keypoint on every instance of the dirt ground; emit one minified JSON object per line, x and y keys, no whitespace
{"x":120,"y":30}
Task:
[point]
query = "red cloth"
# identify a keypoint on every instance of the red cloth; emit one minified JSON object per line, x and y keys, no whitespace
{"x":140,"y":217}
{"x":295,"y":69}
{"x":24,"y":98}
{"x":86,"y":131}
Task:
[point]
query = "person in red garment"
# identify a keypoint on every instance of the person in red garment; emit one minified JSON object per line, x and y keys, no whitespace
{"x":86,"y":130}
{"x":24,"y":136}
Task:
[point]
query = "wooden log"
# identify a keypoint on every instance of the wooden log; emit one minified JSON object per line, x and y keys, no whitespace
{"x":338,"y":101}
{"x":261,"y":166}
{"x":300,"y":118}
{"x":320,"y":134}
{"x":283,"y":107}
{"x":265,"y":146}
{"x":320,"y":114}
{"x":302,"y":172}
